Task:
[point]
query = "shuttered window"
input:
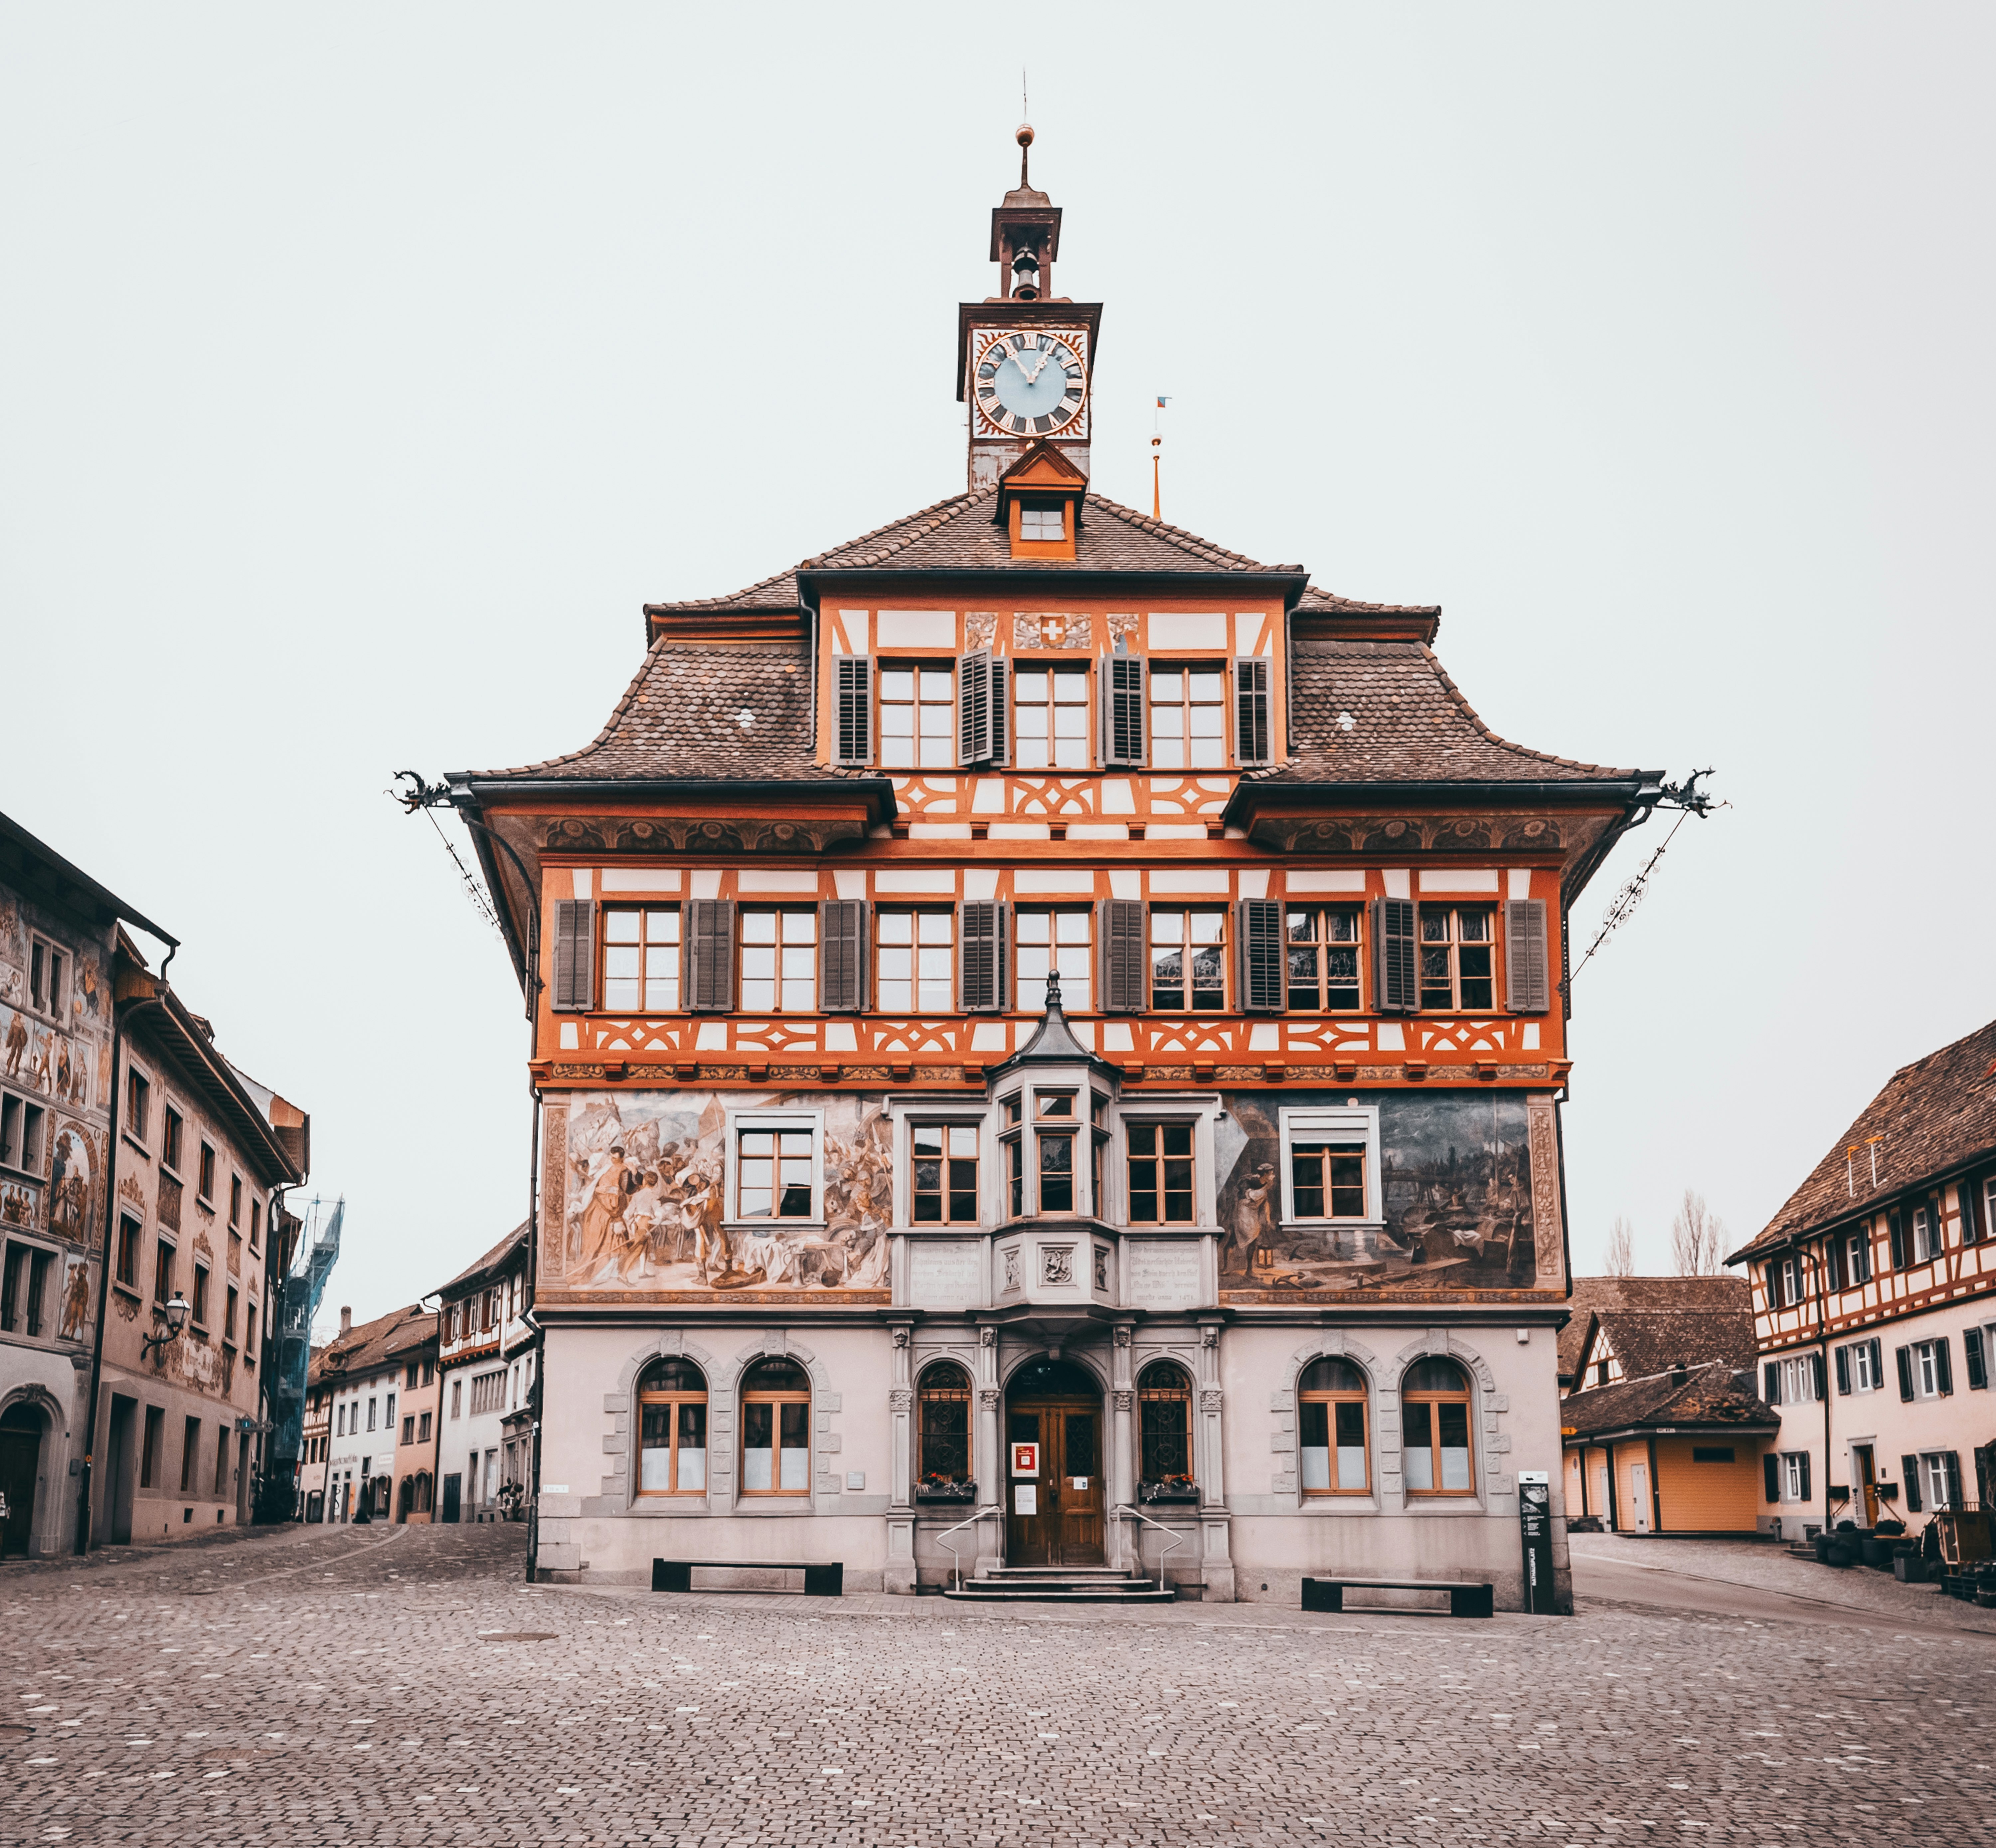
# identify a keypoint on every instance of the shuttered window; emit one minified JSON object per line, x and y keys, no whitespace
{"x":981,"y":957}
{"x":710,"y":952}
{"x":1050,"y":718}
{"x":842,"y":955}
{"x":1259,"y":929}
{"x":1055,"y":939}
{"x":640,"y":958}
{"x":779,"y":960}
{"x":1187,"y":712}
{"x":1457,"y":953}
{"x":575,"y":947}
{"x":854,"y":722}
{"x":1971,"y":1220}
{"x":1527,"y":978}
{"x":1395,"y":987}
{"x":1122,"y":711}
{"x":917,"y":715}
{"x":1253,"y":736}
{"x":916,"y":961}
{"x":1123,"y":955}
{"x":1189,"y":959}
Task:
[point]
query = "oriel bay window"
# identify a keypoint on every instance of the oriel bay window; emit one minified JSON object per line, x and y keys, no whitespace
{"x":1050,"y":940}
{"x":1188,"y":718}
{"x":1435,"y":1451}
{"x":640,"y":958}
{"x":942,"y":1433}
{"x":1164,"y":1406}
{"x":1458,"y":959}
{"x":916,"y":954}
{"x":1189,"y":959}
{"x":1330,"y":1419}
{"x":779,"y":960}
{"x":1323,"y":945}
{"x":918,"y":715}
{"x":776,"y":1429}
{"x":671,"y":1420}
{"x":945,"y":1173}
{"x":1050,"y":718}
{"x":1160,"y":1168}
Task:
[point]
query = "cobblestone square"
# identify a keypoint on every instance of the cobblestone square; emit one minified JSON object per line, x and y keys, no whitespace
{"x":392,"y":1685}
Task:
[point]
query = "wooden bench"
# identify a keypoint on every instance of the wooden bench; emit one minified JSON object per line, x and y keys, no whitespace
{"x":820,"y":1580}
{"x":1464,"y":1600}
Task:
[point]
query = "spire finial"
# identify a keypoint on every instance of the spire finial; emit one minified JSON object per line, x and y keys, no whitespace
{"x":1025,"y":140}
{"x":1053,"y":991}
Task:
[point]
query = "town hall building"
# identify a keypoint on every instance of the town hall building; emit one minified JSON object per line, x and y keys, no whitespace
{"x":1049,"y":1039}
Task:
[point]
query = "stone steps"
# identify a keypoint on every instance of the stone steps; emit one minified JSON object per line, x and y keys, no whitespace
{"x":1061,"y":1584}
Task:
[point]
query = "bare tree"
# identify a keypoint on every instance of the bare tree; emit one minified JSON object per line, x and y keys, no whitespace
{"x":1621,"y":1248}
{"x":1698,"y":1238}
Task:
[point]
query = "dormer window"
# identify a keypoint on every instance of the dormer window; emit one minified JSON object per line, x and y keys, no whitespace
{"x":1043,"y":523}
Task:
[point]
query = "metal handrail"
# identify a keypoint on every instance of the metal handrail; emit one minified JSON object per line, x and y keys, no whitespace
{"x":1177,"y":1540}
{"x":942,"y":1539}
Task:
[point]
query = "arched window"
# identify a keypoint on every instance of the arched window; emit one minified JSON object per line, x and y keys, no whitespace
{"x":1330,"y":1417}
{"x":776,"y":1429}
{"x":942,"y":1398}
{"x":672,"y":1421}
{"x":1164,"y":1397}
{"x":1434,"y":1429}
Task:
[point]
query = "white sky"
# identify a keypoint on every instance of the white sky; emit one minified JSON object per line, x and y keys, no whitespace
{"x":366,"y":368}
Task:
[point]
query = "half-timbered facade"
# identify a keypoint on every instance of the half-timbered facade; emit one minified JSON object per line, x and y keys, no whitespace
{"x":1874,"y":1300}
{"x":1032,"y":976}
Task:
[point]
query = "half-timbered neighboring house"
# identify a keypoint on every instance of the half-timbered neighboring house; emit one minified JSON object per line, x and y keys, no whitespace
{"x":1874,"y":1295}
{"x":1049,"y":1043}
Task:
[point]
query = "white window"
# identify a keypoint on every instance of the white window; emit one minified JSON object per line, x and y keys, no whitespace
{"x":1049,"y":940}
{"x":457,"y":1398}
{"x":1926,"y":1235}
{"x":390,"y":1420}
{"x":1941,"y":1470}
{"x":370,"y":1414}
{"x":1857,"y":1256}
{"x":1050,"y":718}
{"x":918,"y":715}
{"x":1188,"y":718}
{"x":917,"y":956}
{"x":1926,"y":1370}
{"x":1798,"y":1380}
{"x":776,"y":1167}
{"x":640,"y":958}
{"x":779,"y":961}
{"x":1795,"y":1476}
{"x":1863,"y":1369}
{"x":1324,"y":1153}
{"x":1042,"y":523}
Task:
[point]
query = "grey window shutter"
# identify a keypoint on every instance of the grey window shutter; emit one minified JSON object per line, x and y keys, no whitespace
{"x":575,"y":955}
{"x":1123,"y":739}
{"x":855,"y":726}
{"x":1123,"y":955}
{"x":978,"y":984}
{"x":1252,"y":730}
{"x":1878,"y":1362}
{"x":1815,"y":1368}
{"x":1951,"y":1460}
{"x":1527,"y":982}
{"x":1943,"y":1364}
{"x":1904,"y":1357}
{"x":1895,"y":1225}
{"x":1773,"y":1286}
{"x":1771,"y":1471}
{"x":1259,"y":927}
{"x":1803,"y":1459}
{"x":1909,"y":1469}
{"x":1843,"y":1371}
{"x":842,"y":955}
{"x":1833,"y":1247}
{"x":1001,"y":710}
{"x":1002,"y":938}
{"x":1395,"y":987}
{"x":1771,"y":1375}
{"x":709,"y":944}
{"x":1971,"y":1352}
{"x":973,"y":708}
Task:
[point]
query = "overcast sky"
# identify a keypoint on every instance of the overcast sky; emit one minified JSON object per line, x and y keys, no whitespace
{"x":364,"y":368}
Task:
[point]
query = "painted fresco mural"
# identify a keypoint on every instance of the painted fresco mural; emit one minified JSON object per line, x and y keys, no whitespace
{"x":1460,"y":1210}
{"x":641,"y":1213}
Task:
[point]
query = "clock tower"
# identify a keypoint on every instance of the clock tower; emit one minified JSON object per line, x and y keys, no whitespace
{"x":1025,"y":357}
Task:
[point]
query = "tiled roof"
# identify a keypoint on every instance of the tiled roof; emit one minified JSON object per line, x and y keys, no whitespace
{"x":1388,"y":712}
{"x":1933,"y":1117}
{"x":1649,"y":1341}
{"x":1716,"y":1395}
{"x":1666,"y":1296}
{"x":374,"y":1344}
{"x":491,"y":1261}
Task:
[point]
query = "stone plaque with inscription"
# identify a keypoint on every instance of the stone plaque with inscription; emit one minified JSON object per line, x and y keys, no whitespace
{"x":1162,"y":1273}
{"x":946,"y":1273}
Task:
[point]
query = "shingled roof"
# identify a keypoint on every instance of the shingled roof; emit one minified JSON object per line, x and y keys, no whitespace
{"x":1720,"y":1298}
{"x":1932,"y":1118}
{"x":373,"y":1345}
{"x":477,"y":1271}
{"x":1717,"y":1396}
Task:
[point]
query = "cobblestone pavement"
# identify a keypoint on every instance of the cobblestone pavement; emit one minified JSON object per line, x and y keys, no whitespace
{"x":400,"y":1685}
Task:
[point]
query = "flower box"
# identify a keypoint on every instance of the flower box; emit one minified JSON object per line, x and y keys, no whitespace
{"x":945,"y":1492}
{"x":1171,"y":1489}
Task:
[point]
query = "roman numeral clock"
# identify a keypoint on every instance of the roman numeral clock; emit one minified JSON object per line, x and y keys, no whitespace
{"x":1030,"y":383}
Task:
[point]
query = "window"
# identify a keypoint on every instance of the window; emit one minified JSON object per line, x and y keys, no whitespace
{"x":1795,"y":1380}
{"x":488,"y":1392}
{"x":423,"y":1428}
{"x":235,"y":1254}
{"x":1434,"y":1429}
{"x":1164,"y":1427}
{"x":1942,"y":1473}
{"x":173,"y":1126}
{"x":1457,"y":969}
{"x":1926,"y":1370}
{"x":388,"y":1419}
{"x":47,"y":967}
{"x":221,"y":1462}
{"x":1050,"y":720}
{"x":410,"y":1375}
{"x":1323,"y":947}
{"x":672,"y":1420}
{"x":1601,"y":1373}
{"x":228,"y":1314}
{"x":1327,"y":1179}
{"x":339,"y":1421}
{"x":1858,"y":1369}
{"x":1795,"y":1476}
{"x":21,"y":1133}
{"x":373,"y":1406}
{"x":1056,"y":1166}
{"x":1055,"y":941}
{"x":1012,"y":1139}
{"x":1188,"y":960}
{"x":1330,"y":1423}
{"x":776,"y":1429}
{"x":1711,"y":1453}
{"x":1857,"y":1256}
{"x":1160,"y":1173}
{"x":235,"y":1199}
{"x":256,"y":1222}
{"x":1043,"y":522}
{"x":200,"y":1304}
{"x":205,"y":1186}
{"x":129,"y":1232}
{"x":640,"y":958}
{"x":918,"y":716}
{"x":409,"y":1429}
{"x":1926,"y":1234}
{"x":915,"y":959}
{"x":457,"y":1399}
{"x":779,"y":961}
{"x":137,"y":1104}
{"x":10,"y":1286}
{"x":250,"y":1338}
{"x":945,"y":1178}
{"x":773,"y":1174}
{"x":162,"y":1271}
{"x":1189,"y":718}
{"x":156,"y":1441}
{"x":1788,"y":1282}
{"x":942,"y":1398}
{"x":190,"y":1452}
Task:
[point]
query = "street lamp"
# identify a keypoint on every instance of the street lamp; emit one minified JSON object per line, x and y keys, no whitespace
{"x":175,"y":1315}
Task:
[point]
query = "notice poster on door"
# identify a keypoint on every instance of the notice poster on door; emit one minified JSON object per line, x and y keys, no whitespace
{"x":1026,"y":1499}
{"x":1025,"y":1459}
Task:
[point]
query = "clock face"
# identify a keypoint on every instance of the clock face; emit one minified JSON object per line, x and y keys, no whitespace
{"x":1029,"y":384}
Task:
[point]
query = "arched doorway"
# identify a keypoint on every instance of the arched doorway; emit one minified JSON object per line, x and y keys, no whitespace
{"x":21,"y":1428}
{"x":1054,"y":1518}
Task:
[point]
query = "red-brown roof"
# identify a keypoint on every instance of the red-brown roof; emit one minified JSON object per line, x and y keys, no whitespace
{"x":1696,"y":1318}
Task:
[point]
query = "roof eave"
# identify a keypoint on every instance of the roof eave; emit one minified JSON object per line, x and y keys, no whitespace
{"x":1572,"y":792}
{"x":1291,"y":584}
{"x":878,"y":792}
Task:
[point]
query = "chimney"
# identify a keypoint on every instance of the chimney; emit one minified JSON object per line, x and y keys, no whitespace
{"x":345,"y":1322}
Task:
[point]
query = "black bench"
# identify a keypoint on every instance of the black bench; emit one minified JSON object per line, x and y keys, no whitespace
{"x":1464,"y":1600}
{"x":820,"y":1581}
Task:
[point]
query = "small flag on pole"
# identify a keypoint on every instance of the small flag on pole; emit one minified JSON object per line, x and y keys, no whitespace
{"x":1162,"y":402}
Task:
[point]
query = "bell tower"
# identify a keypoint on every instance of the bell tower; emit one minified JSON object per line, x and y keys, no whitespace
{"x":1025,"y":357}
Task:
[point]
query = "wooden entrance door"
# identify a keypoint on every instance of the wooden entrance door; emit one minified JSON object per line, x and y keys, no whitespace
{"x":1867,"y":1482}
{"x":1065,"y":1528}
{"x":20,"y":1467}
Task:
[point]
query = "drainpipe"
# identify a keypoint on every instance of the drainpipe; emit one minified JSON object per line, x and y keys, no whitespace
{"x":538,"y":1348}
{"x":1823,"y":1342}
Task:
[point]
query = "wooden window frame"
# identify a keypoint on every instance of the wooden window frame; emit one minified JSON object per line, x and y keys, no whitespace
{"x":1432,"y":1398}
{"x":1021,"y":744}
{"x":738,"y":1132}
{"x":673,"y":1397}
{"x":1185,"y":705}
{"x":947,"y":1194}
{"x":644,"y":946}
{"x":130,"y":1232}
{"x":1321,"y":946}
{"x":945,"y":740}
{"x":136,"y":1117}
{"x":742,"y":946}
{"x":1330,"y":1398}
{"x":173,"y":1138}
{"x":1180,"y":1395}
{"x":1327,"y":1153}
{"x":164,"y":1252}
{"x":915,"y":914}
{"x":775,"y":1397}
{"x":1453,"y":947}
{"x":51,"y":971}
{"x":204,"y":1181}
{"x":1156,"y":1160}
{"x":928,"y":1392}
{"x":1224,"y":945}
{"x":23,"y":1134}
{"x":1011,"y":1156}
{"x":1087,"y":1002}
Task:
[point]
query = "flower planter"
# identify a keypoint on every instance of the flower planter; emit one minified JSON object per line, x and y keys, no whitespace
{"x":948,"y":1491}
{"x":1150,"y":1492}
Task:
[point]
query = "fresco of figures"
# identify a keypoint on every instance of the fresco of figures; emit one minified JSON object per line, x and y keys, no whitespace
{"x":644,"y":1201}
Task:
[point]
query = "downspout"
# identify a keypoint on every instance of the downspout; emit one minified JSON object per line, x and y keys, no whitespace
{"x":527,"y":1316}
{"x":1822,"y":1341}
{"x":1656,"y":1491}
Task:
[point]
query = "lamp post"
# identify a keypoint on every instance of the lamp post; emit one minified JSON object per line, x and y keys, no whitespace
{"x":174,"y":1315}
